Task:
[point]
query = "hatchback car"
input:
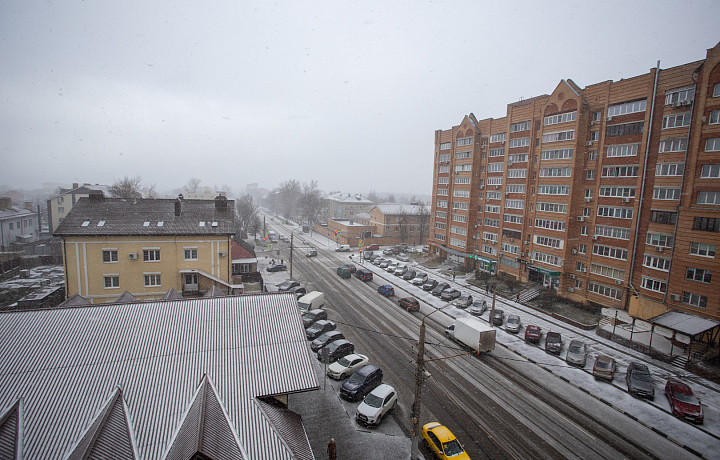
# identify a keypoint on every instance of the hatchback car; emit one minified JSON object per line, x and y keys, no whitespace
{"x":392,"y":266}
{"x":403,"y":258}
{"x":513,"y":324}
{"x":320,"y":327}
{"x":450,"y":294}
{"x":639,"y":381}
{"x":370,"y":256}
{"x":376,"y":405}
{"x":409,"y":275}
{"x":386,"y":290}
{"x":477,"y":308}
{"x":346,"y":365}
{"x":276,"y":268}
{"x":309,"y":317}
{"x":464,"y":301}
{"x":362,"y":382}
{"x":429,"y":285}
{"x":498,"y":317}
{"x":533,"y":333}
{"x":409,"y":303}
{"x":442,"y":442}
{"x":336,"y":350}
{"x":604,"y":368}
{"x":287,"y":285}
{"x":311,"y":253}
{"x":439,"y":289}
{"x":384,"y":264}
{"x":325,"y":338}
{"x":420,"y":279}
{"x":378,"y":260}
{"x":372,"y":247}
{"x":577,"y":353}
{"x":683,"y":402}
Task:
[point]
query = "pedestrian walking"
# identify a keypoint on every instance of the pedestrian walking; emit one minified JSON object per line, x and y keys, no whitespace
{"x":517,"y":297}
{"x":332,"y":449}
{"x":453,"y":276}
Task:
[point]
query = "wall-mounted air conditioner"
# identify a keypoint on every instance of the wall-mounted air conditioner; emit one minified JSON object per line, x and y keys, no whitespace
{"x":618,"y":282}
{"x":580,"y":219}
{"x":221,"y":254}
{"x":571,"y":289}
{"x":132,"y":256}
{"x":675,"y":297}
{"x":608,"y":118}
{"x":588,"y":143}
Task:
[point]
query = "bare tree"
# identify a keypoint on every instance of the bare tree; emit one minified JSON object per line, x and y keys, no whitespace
{"x":390,"y":198}
{"x":423,"y":218}
{"x":289,"y":195}
{"x":372,"y":196}
{"x":192,"y":184}
{"x":311,"y":202}
{"x":127,"y":187}
{"x":403,"y":221}
{"x":246,"y":211}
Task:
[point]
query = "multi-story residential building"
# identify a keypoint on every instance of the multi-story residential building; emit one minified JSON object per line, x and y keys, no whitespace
{"x":17,"y":225}
{"x":610,"y":193}
{"x":60,"y":205}
{"x":343,"y":206}
{"x":146,"y":247}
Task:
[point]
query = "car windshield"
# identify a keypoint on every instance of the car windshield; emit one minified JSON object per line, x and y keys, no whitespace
{"x":686,"y":398}
{"x":603,"y":364}
{"x":357,"y":378}
{"x":308,"y":315}
{"x":344,"y":362}
{"x":452,"y":448}
{"x":324,"y":336}
{"x":373,"y":401}
{"x":575,"y":348}
{"x":513,"y":320}
{"x":552,"y":339}
{"x":315,"y":327}
{"x":645,"y":377}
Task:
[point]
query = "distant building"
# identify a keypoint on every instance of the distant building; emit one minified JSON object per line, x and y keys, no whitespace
{"x":60,"y":205}
{"x":344,"y":206}
{"x":202,"y":193}
{"x":147,"y":246}
{"x":383,"y":224}
{"x":18,"y":225}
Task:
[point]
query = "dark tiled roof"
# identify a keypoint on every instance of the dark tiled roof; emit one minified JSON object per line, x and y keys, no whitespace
{"x":119,"y":216}
{"x":75,"y":301}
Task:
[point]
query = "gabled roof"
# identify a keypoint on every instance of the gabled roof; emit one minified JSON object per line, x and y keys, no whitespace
{"x":75,"y":300}
{"x":126,"y":297}
{"x":86,"y":189}
{"x":172,"y":294}
{"x":11,"y":435}
{"x":119,"y":216}
{"x":239,"y":252}
{"x":14,"y":212}
{"x":397,"y":209}
{"x":158,"y":353}
{"x":348,"y":198}
{"x":214,"y":292}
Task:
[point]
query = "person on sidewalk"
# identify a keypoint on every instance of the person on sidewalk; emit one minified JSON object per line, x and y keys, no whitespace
{"x":332,"y":449}
{"x":517,"y":297}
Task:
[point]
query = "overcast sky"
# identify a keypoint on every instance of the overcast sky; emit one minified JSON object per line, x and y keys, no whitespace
{"x":345,"y":93}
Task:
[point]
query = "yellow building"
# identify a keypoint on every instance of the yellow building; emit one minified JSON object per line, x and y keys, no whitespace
{"x":146,"y":247}
{"x":60,"y":205}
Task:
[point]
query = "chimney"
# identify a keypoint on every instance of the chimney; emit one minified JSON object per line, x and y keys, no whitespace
{"x":220,"y":202}
{"x":75,"y":185}
{"x":178,"y":205}
{"x":29,"y":205}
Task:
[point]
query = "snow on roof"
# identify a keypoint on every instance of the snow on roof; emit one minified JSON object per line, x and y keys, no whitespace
{"x":684,"y":322}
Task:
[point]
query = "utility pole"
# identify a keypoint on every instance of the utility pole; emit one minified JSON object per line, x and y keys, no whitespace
{"x":419,"y":375}
{"x":292,"y":237}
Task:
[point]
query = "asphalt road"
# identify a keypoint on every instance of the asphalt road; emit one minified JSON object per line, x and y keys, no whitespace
{"x":498,"y":405}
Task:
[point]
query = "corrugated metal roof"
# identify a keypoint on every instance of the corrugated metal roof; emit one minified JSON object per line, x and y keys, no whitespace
{"x":685,"y":322}
{"x":65,"y":364}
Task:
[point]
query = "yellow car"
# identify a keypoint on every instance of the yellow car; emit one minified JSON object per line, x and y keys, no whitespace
{"x":442,"y":442}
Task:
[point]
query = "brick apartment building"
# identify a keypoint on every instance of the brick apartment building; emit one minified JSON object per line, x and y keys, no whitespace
{"x":610,"y":193}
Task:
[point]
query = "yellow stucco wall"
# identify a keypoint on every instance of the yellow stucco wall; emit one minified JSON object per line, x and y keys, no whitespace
{"x":86,"y":271}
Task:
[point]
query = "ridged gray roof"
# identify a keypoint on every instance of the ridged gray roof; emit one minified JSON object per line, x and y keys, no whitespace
{"x":66,"y":366}
{"x":119,"y":216}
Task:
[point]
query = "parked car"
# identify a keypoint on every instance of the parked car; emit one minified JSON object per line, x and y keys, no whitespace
{"x":450,"y":294}
{"x":441,"y":442}
{"x":311,"y":253}
{"x":553,"y":342}
{"x":498,"y":317}
{"x":326,"y":338}
{"x":409,"y":303}
{"x":318,"y":328}
{"x":379,"y":261}
{"x":367,"y":254}
{"x":439,"y":289}
{"x":376,"y":405}
{"x":392,"y":267}
{"x":364,"y":274}
{"x":343,"y":248}
{"x":372,"y":247}
{"x":429,"y":285}
{"x":577,"y":353}
{"x":362,"y":382}
{"x":337,"y":350}
{"x":346,"y":365}
{"x":386,"y":290}
{"x":604,"y":368}
{"x":409,"y":275}
{"x":309,"y":317}
{"x":464,"y":301}
{"x":276,"y":268}
{"x":513,"y":324}
{"x":400,"y":270}
{"x":387,"y":252}
{"x":420,"y":279}
{"x":287,"y":285}
{"x":639,"y":381}
{"x":533,"y":333}
{"x":298,"y":290}
{"x":403,"y":258}
{"x":683,"y":402}
{"x":477,"y":308}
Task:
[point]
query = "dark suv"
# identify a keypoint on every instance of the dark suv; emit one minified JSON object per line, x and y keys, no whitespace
{"x":337,"y":350}
{"x":361,"y":382}
{"x":309,"y":317}
{"x":439,"y":289}
{"x":325,"y":338}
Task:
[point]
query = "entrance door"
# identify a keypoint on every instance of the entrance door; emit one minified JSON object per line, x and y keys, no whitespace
{"x":191,"y":282}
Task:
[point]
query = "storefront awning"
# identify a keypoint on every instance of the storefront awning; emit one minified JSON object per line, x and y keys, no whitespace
{"x":544,"y":271}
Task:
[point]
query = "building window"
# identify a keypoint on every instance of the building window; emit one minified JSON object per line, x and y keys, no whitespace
{"x":556,"y":154}
{"x":445,"y":145}
{"x":592,"y":155}
{"x":676,"y":120}
{"x":620,"y":171}
{"x":712,"y":198}
{"x":440,"y":225}
{"x":457,"y":242}
{"x":441,"y":214}
{"x":517,"y":173}
{"x":514,"y":204}
{"x":558,"y":136}
{"x":610,"y":251}
{"x":615,"y":212}
{"x":673,"y":145}
{"x":554,"y":190}
{"x":442,"y":192}
{"x":706,"y":224}
{"x":712,"y":144}
{"x":555,"y":172}
{"x":695,"y":300}
{"x":716,"y":90}
{"x":461,"y":193}
{"x":499,"y":137}
{"x":191,"y":254}
{"x":605,"y":291}
{"x":622,"y":150}
{"x":710,"y":172}
{"x":560,"y":118}
{"x":463,"y":141}
{"x":441,"y":203}
{"x":496,"y":167}
{"x":627,"y":107}
{"x":670,"y":169}
{"x":656,"y":263}
{"x":698,"y":274}
{"x":521,"y":126}
{"x":151,"y":255}
{"x":459,"y":218}
{"x":702,"y":249}
{"x":660,"y":240}
{"x":597,"y":116}
{"x":589,"y":174}
{"x":681,"y":95}
{"x":519,"y":142}
{"x":152,"y":279}
{"x":663,"y":217}
{"x":444,"y":158}
{"x":666,"y":193}
{"x":443,"y":180}
{"x":594,"y":136}
{"x":444,"y":169}
{"x":109,"y":255}
{"x":112,"y":281}
{"x":653,"y":284}
{"x":618,"y":233}
{"x":462,"y":180}
{"x":625,"y":129}
{"x":463,"y":155}
{"x":61,"y":209}
{"x":462,"y":168}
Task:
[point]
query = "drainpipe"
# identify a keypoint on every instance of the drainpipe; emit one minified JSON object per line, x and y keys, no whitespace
{"x":682,"y":184}
{"x":644,"y":179}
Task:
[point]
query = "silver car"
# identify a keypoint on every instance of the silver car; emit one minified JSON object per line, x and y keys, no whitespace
{"x":577,"y":353}
{"x":513,"y":324}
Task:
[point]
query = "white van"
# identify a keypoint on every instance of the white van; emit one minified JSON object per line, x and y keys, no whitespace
{"x":343,"y":248}
{"x":311,"y":301}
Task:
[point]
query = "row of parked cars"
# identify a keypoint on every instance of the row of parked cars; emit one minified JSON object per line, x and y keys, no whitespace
{"x":363,"y":381}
